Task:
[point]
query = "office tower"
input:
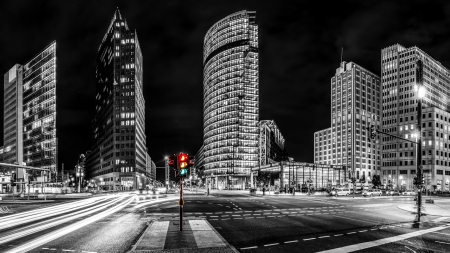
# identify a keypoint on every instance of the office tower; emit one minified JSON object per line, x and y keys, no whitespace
{"x":355,"y":104}
{"x":30,"y":113}
{"x":398,"y":66}
{"x":230,"y":99}
{"x":118,"y":157}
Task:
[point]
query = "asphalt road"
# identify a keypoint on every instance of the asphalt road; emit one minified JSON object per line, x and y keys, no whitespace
{"x":289,"y":223}
{"x":100,"y":224}
{"x":280,"y":223}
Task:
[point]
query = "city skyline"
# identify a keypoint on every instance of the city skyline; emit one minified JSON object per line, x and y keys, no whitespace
{"x":293,"y":43}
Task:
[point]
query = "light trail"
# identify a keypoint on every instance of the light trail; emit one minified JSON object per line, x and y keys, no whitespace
{"x":30,"y":216}
{"x":55,"y":222}
{"x":154,"y":201}
{"x":47,"y":209}
{"x":68,"y":229}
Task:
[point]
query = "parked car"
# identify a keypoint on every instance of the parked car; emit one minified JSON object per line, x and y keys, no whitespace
{"x":342,"y":192}
{"x":393,"y":193}
{"x":409,"y":193}
{"x":372,"y":193}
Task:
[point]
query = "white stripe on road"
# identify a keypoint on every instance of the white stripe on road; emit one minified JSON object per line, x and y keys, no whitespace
{"x":254,"y":247}
{"x":291,"y":241}
{"x":442,"y":242}
{"x":366,"y":245}
{"x":267,"y":245}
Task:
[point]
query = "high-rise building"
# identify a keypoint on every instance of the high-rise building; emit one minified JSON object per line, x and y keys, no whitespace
{"x":30,"y":112}
{"x":118,"y":157}
{"x":355,"y":104}
{"x":230,"y":99}
{"x":398,"y":66}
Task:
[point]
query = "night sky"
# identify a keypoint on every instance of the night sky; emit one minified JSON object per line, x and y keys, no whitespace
{"x":300,"y":48}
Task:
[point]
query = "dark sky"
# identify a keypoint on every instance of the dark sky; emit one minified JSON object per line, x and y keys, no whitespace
{"x":300,"y":45}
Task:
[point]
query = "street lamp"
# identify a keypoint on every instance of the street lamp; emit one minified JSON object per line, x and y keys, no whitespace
{"x":420,"y":95}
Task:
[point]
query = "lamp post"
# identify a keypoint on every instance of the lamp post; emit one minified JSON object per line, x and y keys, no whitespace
{"x":420,"y":94}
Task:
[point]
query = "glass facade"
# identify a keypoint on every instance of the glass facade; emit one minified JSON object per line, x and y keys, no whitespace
{"x":230,"y":96}
{"x":398,"y":66}
{"x":119,"y":157}
{"x":13,"y":115}
{"x":39,"y":110}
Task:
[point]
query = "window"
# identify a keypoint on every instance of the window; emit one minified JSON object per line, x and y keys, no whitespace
{"x":412,"y":172}
{"x":440,"y":172}
{"x":403,"y":172}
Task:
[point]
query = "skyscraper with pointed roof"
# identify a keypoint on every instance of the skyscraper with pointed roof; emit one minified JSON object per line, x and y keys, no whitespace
{"x":118,"y":158}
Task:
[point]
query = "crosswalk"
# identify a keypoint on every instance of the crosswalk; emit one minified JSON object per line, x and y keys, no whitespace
{"x":5,"y":209}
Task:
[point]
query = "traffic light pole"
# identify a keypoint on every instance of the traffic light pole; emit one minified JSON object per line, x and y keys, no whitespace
{"x":180,"y":203}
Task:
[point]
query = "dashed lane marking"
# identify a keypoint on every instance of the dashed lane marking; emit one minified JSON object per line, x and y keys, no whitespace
{"x":442,"y":242}
{"x":272,"y":244}
{"x":291,"y":241}
{"x":309,"y":239}
{"x":253,"y":247}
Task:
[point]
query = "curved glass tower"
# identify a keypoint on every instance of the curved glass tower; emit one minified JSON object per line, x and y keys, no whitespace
{"x":230,"y":100}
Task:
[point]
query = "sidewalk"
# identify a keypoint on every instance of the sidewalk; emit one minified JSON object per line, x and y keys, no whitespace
{"x":197,"y":236}
{"x":430,"y":209}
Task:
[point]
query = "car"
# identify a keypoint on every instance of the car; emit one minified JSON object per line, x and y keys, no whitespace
{"x":342,"y":192}
{"x":372,"y":193}
{"x":408,"y":193}
{"x":393,"y":193}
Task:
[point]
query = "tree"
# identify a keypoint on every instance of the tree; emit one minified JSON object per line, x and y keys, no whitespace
{"x":376,"y":181}
{"x":363,"y":179}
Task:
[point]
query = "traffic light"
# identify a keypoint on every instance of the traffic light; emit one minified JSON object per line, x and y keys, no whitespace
{"x":171,"y":161}
{"x":184,"y":163}
{"x":373,"y":132}
{"x":13,"y":179}
{"x":415,"y":181}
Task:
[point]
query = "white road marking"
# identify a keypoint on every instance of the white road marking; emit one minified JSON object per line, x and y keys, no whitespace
{"x":362,"y":231}
{"x":291,"y":241}
{"x":309,"y":239}
{"x":267,"y":245}
{"x":442,"y":242}
{"x":254,"y":247}
{"x":324,"y":236}
{"x":338,"y":235}
{"x":351,"y":233}
{"x":366,"y":245}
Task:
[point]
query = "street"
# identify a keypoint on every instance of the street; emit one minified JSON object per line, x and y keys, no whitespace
{"x":271,"y":223}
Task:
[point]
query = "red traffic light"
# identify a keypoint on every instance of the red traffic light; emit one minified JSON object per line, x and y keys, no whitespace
{"x":183,"y":157}
{"x":171,"y":161}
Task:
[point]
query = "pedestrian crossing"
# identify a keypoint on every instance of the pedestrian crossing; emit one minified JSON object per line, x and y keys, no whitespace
{"x":6,"y":209}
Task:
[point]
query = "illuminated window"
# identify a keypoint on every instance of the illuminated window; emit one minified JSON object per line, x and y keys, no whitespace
{"x":117,"y":35}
